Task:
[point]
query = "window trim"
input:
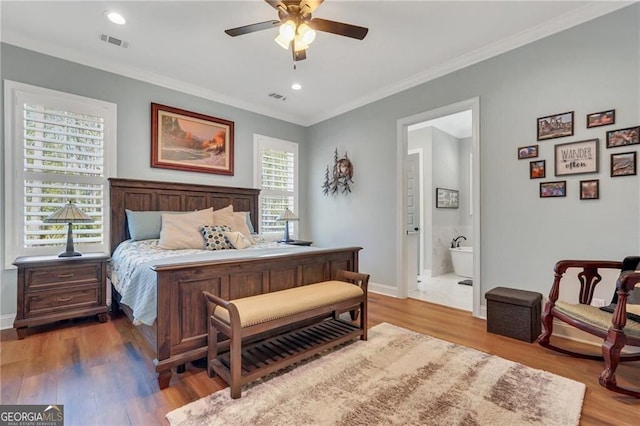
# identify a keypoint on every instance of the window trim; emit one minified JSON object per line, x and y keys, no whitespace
{"x":13,"y":186}
{"x":259,"y":142}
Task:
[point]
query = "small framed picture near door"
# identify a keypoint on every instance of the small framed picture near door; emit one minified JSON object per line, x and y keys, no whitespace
{"x":537,"y":169}
{"x":590,"y":189}
{"x":447,"y":198}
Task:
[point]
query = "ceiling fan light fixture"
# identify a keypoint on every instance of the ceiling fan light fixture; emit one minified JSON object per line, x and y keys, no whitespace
{"x":283,"y":42}
{"x":306,"y":33}
{"x":299,"y":45}
{"x":288,"y":30}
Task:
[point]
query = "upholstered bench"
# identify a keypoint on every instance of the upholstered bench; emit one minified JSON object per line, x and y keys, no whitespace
{"x":315,"y":307}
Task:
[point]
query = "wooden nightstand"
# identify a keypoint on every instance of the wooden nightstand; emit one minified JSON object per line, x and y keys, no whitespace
{"x":52,"y":288}
{"x":299,"y":243}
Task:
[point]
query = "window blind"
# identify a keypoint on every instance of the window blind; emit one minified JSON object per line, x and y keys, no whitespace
{"x":64,"y":161}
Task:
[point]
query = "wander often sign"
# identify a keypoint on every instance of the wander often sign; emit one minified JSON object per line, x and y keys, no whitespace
{"x":576,"y":157}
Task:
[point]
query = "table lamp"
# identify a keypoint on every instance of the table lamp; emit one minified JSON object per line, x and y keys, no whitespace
{"x":70,"y":213}
{"x":287,"y":215}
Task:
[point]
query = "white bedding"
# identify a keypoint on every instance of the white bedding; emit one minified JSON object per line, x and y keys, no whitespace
{"x":133,"y":277}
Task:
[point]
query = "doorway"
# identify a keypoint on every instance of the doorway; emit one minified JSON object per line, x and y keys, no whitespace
{"x":447,"y":160}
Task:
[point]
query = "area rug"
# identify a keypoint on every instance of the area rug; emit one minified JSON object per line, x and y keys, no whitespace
{"x":397,"y":377}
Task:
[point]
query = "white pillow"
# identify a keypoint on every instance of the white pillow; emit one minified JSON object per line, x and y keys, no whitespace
{"x":237,"y":240}
{"x":225,"y":217}
{"x":182,"y":231}
{"x":240,"y":225}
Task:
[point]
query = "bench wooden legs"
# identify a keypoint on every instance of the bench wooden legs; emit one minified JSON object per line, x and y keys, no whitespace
{"x":235,"y":361}
{"x":212,"y":352}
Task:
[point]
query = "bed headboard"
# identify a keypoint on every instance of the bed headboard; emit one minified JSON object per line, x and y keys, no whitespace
{"x":153,"y":195}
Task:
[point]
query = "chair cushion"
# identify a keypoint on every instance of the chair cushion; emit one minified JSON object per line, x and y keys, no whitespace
{"x":265,"y":307}
{"x":596,"y":317}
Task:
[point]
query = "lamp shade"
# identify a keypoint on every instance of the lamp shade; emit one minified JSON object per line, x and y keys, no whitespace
{"x":70,"y":213}
{"x":287,"y":215}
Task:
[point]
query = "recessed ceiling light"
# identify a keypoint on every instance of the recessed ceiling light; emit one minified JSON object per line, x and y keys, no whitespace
{"x":116,"y":18}
{"x":296,"y":86}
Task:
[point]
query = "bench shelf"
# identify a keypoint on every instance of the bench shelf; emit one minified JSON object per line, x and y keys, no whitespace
{"x":267,"y":356}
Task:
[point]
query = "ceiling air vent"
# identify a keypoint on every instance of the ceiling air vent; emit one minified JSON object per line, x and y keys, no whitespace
{"x":277,"y":96}
{"x":114,"y":40}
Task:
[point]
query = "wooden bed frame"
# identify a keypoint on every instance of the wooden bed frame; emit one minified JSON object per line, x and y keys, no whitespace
{"x":179,"y":334}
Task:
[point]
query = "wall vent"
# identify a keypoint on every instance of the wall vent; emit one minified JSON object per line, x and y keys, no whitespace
{"x":277,"y":96}
{"x":113,"y":40}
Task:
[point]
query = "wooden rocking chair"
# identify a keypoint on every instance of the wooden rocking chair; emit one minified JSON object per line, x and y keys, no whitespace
{"x":616,"y":330}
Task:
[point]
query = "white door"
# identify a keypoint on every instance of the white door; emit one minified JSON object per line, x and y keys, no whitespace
{"x":413,"y":202}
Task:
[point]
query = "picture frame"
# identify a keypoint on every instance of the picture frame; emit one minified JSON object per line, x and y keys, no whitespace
{"x":576,"y":158}
{"x":590,"y":189}
{"x":530,"y":151}
{"x":447,"y":198}
{"x":189,"y":141}
{"x":623,"y":137}
{"x":602,"y":118}
{"x":555,"y":126}
{"x":553,"y":189}
{"x":537,"y":169}
{"x":623,"y":164}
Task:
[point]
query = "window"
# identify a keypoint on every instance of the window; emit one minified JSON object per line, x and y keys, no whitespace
{"x":59,"y":148}
{"x":276,"y":174}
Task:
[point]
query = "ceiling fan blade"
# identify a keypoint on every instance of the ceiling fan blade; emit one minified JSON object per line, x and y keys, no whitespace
{"x":300,"y":55}
{"x":246,"y":29}
{"x":339,"y":28}
{"x":308,"y":6}
{"x":278,"y":5}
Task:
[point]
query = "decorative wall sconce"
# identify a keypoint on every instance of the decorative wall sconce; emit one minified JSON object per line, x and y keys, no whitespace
{"x":341,"y":176}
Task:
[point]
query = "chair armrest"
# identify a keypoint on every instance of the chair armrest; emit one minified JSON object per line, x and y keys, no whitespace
{"x":588,"y":277}
{"x":625,"y":284}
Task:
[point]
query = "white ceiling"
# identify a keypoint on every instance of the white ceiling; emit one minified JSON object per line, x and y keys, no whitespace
{"x":458,"y":125}
{"x":182,"y":45}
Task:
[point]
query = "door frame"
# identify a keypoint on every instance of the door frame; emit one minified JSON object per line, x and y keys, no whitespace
{"x":401,"y":190}
{"x":421,"y":222}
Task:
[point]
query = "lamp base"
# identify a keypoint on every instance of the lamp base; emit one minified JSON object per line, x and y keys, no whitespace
{"x":69,"y":254}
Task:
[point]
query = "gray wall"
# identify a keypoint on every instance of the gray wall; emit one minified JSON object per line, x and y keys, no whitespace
{"x":589,"y":68}
{"x":133,"y":99}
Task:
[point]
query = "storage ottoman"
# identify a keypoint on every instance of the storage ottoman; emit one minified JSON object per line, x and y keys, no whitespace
{"x":514,"y":313}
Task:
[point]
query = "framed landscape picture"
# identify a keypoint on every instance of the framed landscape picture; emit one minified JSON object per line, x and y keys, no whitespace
{"x":527,"y":152}
{"x":623,"y":137}
{"x":553,"y":189}
{"x":555,"y":126}
{"x":576,"y":157}
{"x":184,"y":140}
{"x":602,"y":118}
{"x":623,"y":164}
{"x":589,"y":189}
{"x":537,"y":169}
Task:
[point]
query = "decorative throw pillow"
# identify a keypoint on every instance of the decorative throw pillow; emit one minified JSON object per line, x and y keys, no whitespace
{"x":214,"y":237}
{"x":237,"y":240}
{"x":182,"y":231}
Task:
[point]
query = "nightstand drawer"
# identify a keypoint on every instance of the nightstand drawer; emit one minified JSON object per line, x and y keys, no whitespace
{"x":37,"y":278}
{"x":41,"y":303}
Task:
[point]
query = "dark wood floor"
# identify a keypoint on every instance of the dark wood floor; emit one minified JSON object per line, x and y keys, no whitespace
{"x":103,"y":375}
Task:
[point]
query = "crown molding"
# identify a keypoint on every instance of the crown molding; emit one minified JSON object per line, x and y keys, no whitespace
{"x":586,"y":13}
{"x":46,"y":48}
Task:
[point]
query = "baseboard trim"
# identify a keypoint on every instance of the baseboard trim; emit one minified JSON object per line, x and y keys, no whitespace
{"x":386,"y":290}
{"x":6,"y":321}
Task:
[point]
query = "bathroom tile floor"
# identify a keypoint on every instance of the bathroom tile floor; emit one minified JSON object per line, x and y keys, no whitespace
{"x":444,"y":290}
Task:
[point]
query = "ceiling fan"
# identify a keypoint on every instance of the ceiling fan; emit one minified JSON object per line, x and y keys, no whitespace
{"x":297,"y":28}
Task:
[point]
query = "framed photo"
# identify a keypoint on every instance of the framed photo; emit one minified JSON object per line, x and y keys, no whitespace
{"x":553,"y":189}
{"x":589,"y":189}
{"x":602,"y":118}
{"x":447,"y":198}
{"x":537,"y":169}
{"x":555,"y":126}
{"x":576,"y":157}
{"x":183,"y":140}
{"x":528,"y":152}
{"x":623,"y":164}
{"x":623,"y":137}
